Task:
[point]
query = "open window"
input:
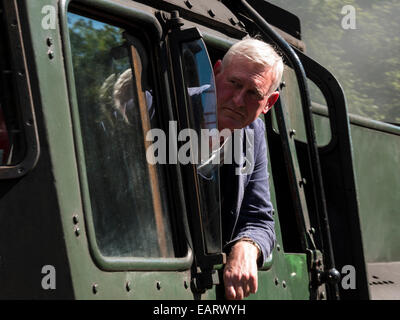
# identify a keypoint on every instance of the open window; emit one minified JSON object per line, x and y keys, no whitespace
{"x":197,"y":113}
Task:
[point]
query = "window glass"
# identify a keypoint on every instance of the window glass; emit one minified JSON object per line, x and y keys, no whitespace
{"x":116,"y":107}
{"x":12,"y":139}
{"x":200,"y":87}
{"x":291,"y":100}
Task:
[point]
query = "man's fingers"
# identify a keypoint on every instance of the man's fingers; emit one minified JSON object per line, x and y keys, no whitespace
{"x":236,"y":287}
{"x":253,"y":281}
{"x":239,"y":293}
{"x":230,"y":292}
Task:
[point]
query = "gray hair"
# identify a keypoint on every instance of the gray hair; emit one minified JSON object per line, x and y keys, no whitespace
{"x":261,"y":53}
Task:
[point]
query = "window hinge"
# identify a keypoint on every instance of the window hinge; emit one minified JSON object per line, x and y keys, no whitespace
{"x":319,"y":276}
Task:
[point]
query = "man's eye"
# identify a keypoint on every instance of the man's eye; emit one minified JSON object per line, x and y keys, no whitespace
{"x":235,"y":83}
{"x":255,"y":95}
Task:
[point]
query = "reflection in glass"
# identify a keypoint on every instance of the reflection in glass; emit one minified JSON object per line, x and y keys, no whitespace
{"x":115,"y":108}
{"x":203,"y":115}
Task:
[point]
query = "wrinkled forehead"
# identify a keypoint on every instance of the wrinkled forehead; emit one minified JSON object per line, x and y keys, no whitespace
{"x":241,"y":62}
{"x":244,"y":67}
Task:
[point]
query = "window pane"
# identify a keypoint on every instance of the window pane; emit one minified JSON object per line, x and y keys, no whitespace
{"x":291,"y":100}
{"x":114,"y":96}
{"x":12,"y":139}
{"x":203,"y":115}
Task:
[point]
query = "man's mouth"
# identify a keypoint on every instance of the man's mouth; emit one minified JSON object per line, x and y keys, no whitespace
{"x":234,"y":114}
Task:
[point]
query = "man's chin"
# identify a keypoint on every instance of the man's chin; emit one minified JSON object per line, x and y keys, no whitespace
{"x":229,"y":123}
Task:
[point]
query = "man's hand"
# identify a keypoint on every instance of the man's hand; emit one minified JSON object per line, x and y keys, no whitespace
{"x":240,"y":274}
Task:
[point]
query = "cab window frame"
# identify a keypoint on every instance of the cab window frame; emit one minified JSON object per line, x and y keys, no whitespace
{"x":129,"y":18}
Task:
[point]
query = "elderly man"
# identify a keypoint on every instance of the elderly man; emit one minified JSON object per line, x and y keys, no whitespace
{"x":246,"y":82}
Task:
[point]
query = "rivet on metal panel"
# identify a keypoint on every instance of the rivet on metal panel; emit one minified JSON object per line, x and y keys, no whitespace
{"x":128,"y":286}
{"x":75,"y":219}
{"x":49,"y":41}
{"x":278,"y":247}
{"x":77,"y":231}
{"x":292,"y":133}
{"x":276,"y":281}
{"x":185,"y":284}
{"x":211,"y":13}
{"x":282,"y":85}
{"x":188,"y":4}
{"x":302,"y":182}
{"x":50,"y":53}
{"x":232,"y":21}
{"x":95,"y":288}
{"x":158,"y":285}
{"x":284,"y":284}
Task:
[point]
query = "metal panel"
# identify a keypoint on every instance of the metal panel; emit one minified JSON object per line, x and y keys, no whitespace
{"x":377,"y":163}
{"x":384,"y":280}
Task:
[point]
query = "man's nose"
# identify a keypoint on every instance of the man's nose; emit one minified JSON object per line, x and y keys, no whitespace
{"x":238,"y":98}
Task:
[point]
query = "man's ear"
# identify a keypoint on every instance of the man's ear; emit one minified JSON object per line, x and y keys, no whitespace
{"x":271,"y":101}
{"x":217,"y":67}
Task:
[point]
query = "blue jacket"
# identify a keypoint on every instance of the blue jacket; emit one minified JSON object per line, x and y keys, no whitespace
{"x":250,"y":215}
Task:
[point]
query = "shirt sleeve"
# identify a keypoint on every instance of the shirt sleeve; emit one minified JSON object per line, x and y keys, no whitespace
{"x":255,"y":219}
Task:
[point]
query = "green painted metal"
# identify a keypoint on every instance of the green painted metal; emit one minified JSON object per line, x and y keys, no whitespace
{"x":377,"y":163}
{"x":106,"y":262}
{"x":376,"y":150}
{"x":286,"y":280}
{"x":91,"y":276}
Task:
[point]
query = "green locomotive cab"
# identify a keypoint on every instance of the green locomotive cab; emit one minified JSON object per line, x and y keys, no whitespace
{"x":92,"y":92}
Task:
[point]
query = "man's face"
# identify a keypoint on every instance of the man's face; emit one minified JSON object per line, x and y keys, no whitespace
{"x":242,"y":88}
